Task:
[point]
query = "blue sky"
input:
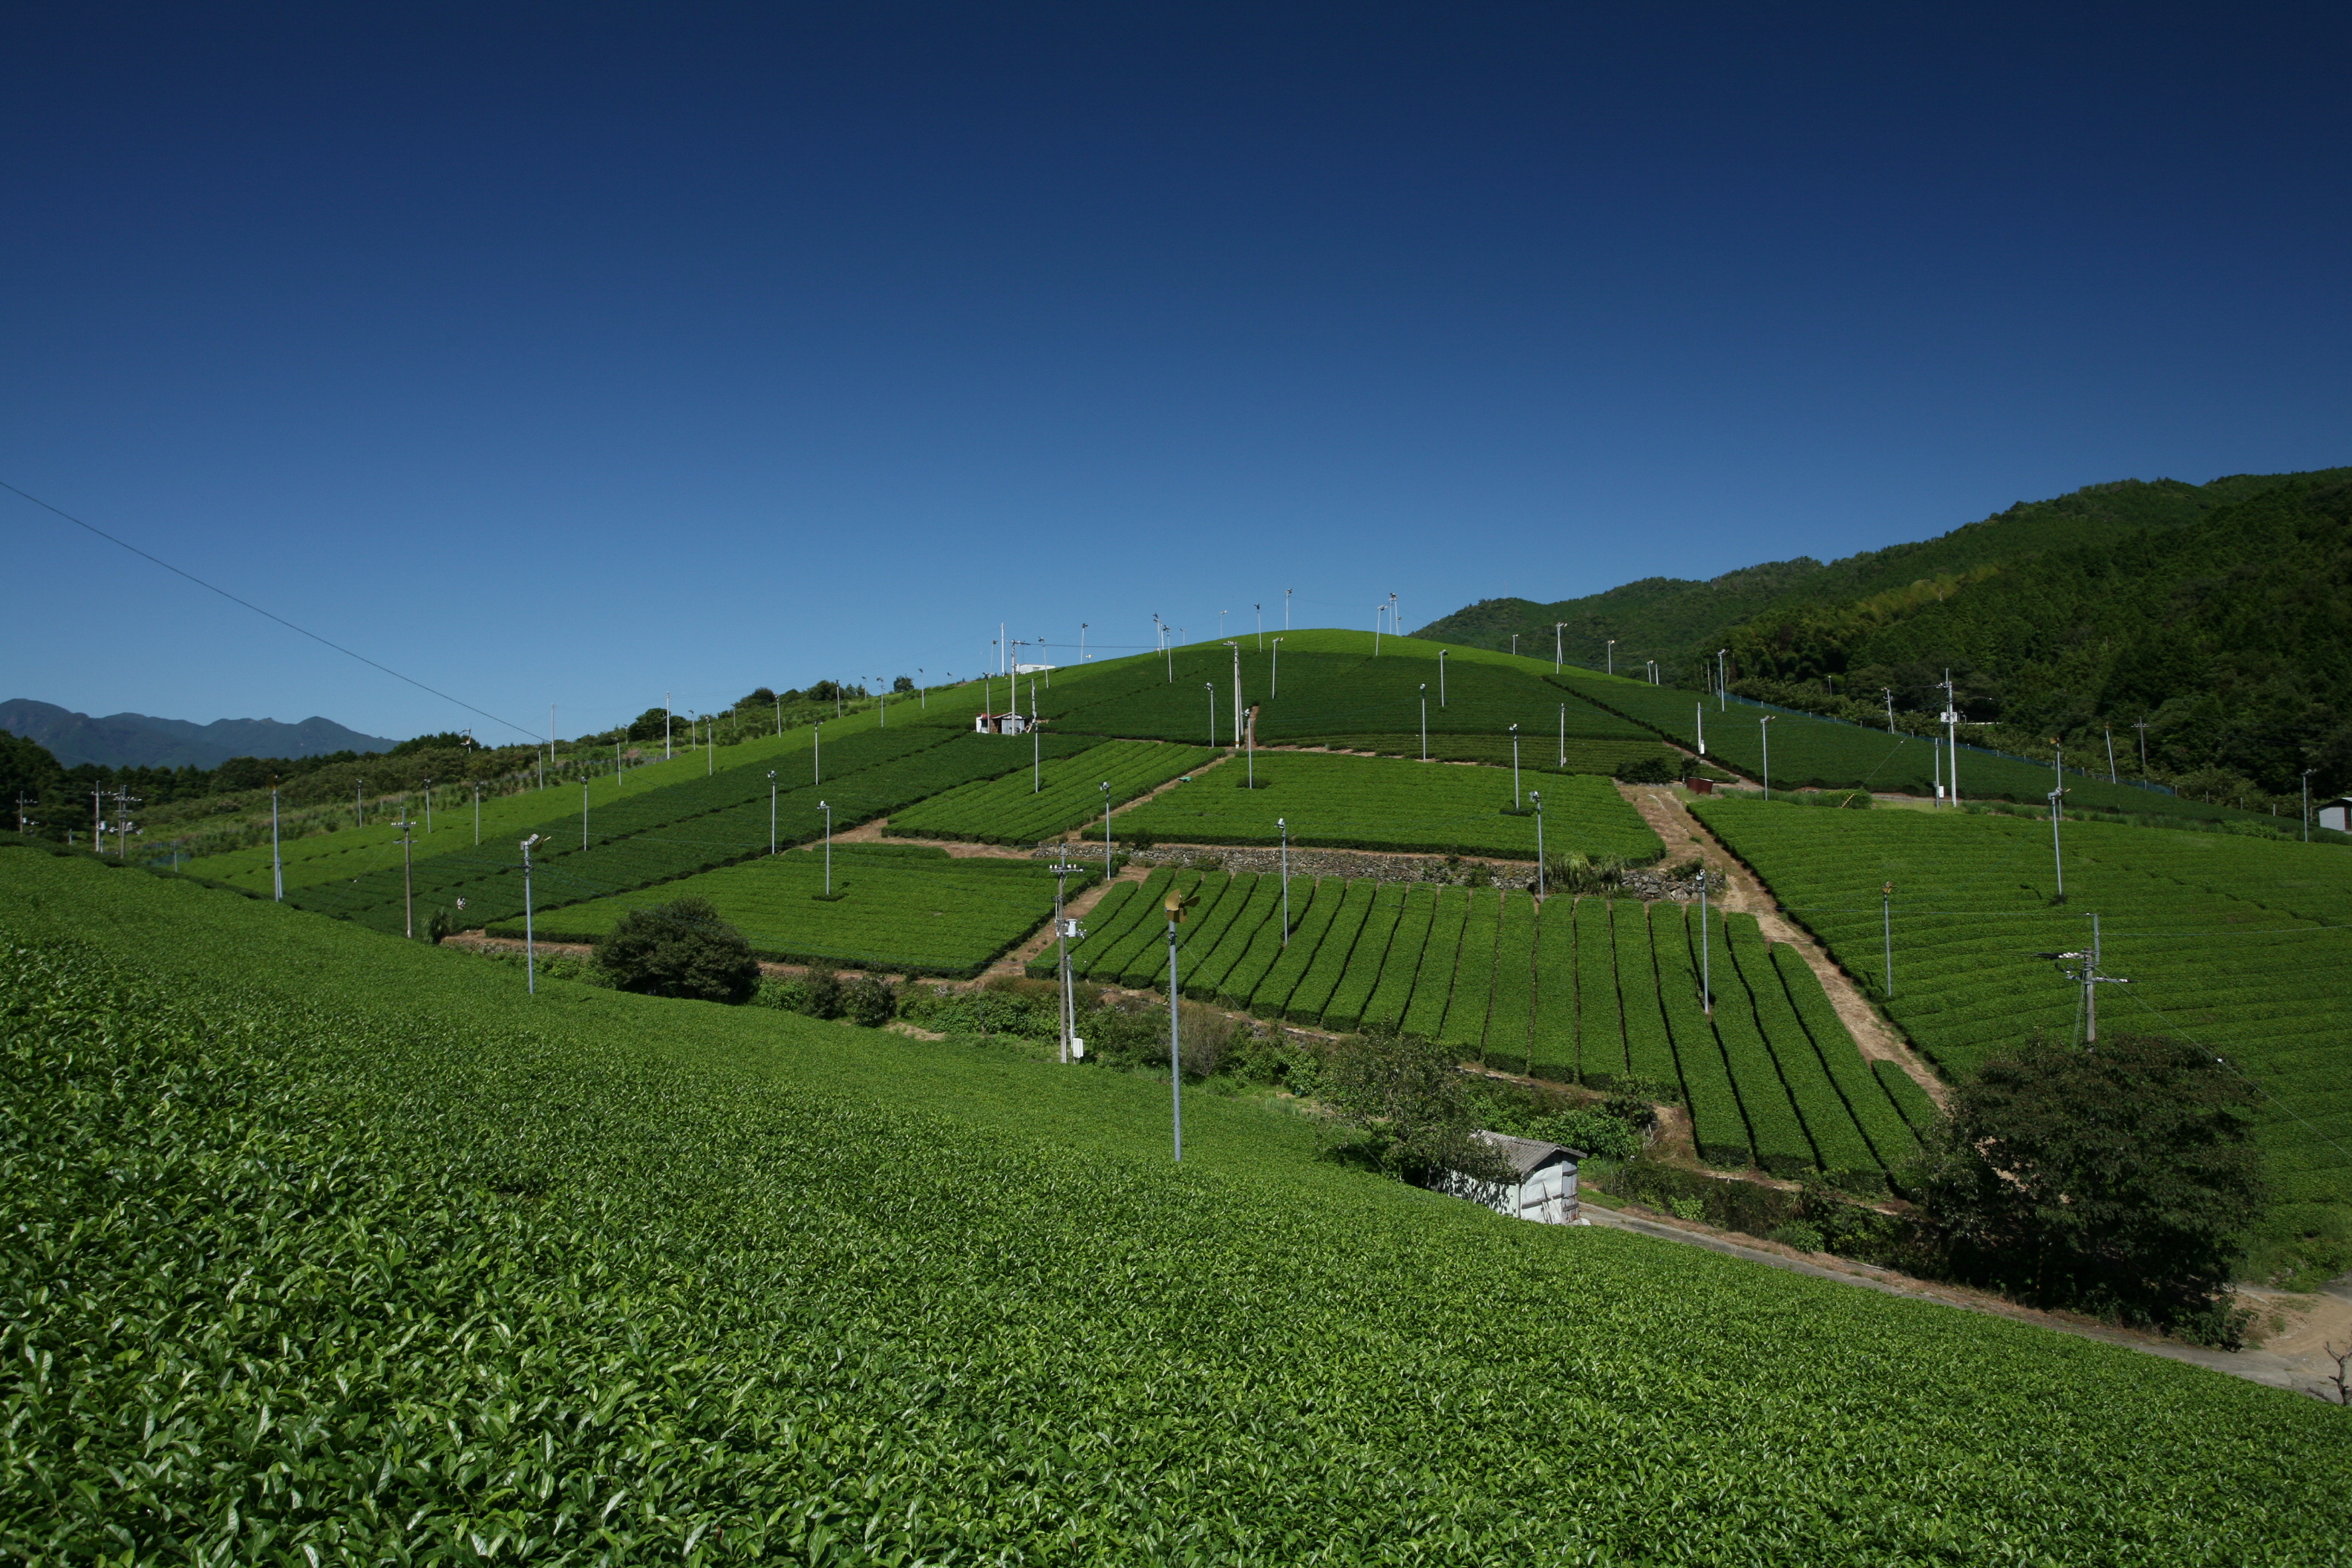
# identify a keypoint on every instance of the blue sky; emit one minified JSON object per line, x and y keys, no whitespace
{"x":580,"y":355}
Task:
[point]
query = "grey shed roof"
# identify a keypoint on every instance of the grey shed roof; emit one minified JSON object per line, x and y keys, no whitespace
{"x":1528,"y":1155}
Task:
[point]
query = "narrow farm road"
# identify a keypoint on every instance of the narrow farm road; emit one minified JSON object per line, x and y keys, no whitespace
{"x":1689,"y":839}
{"x":2291,"y":1360}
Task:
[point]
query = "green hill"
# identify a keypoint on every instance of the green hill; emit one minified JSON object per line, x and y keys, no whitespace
{"x":2214,"y":611}
{"x":334,"y":1250}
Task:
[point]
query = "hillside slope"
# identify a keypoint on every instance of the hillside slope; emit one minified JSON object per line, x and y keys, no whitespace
{"x":1680,"y":622}
{"x":397,"y":1263}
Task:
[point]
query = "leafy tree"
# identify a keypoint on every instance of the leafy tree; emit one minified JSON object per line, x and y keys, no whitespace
{"x":904,"y":683}
{"x":26,"y":768}
{"x":679,"y":949}
{"x":2119,"y":1178}
{"x":870,"y":1001}
{"x":1408,"y":1098}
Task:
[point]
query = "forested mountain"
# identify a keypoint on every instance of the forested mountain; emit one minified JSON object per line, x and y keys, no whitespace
{"x":1679,"y":622}
{"x":137,"y":740}
{"x":2215,"y":613}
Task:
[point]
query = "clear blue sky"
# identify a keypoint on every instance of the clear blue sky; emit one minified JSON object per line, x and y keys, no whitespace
{"x":575,"y":354}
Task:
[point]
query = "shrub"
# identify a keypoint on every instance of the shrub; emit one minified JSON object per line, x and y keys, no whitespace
{"x":1657,"y":768}
{"x":820,"y":991}
{"x":870,"y":1002}
{"x":679,"y":949}
{"x":1578,"y":872}
{"x":1410,"y":1106}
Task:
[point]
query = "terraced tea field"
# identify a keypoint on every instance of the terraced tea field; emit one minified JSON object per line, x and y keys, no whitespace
{"x":399,"y":1264}
{"x":903,"y":908}
{"x":1576,"y":991}
{"x":1014,"y":809}
{"x":644,"y":838}
{"x":2239,"y":945}
{"x":1368,"y":802}
{"x":1807,"y":750}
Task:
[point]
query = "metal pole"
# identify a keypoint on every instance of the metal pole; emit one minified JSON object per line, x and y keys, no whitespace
{"x":771,"y":810}
{"x":1211,"y":687}
{"x":1706,"y":946}
{"x":407,"y":877}
{"x":1286,"y":609}
{"x":2057,"y":861}
{"x":1556,"y":655}
{"x":1261,"y":627}
{"x":1722,"y":683}
{"x":1284,"y":823}
{"x":1515,"y":767}
{"x":816,"y":751}
{"x":1612,"y":651}
{"x":1886,"y":917}
{"x":1441,"y":676}
{"x":1377,"y":611}
{"x":1105,"y":795}
{"x":1563,"y":737}
{"x":277,"y":867}
{"x":583,"y":811}
{"x":1424,"y":720}
{"x":827,"y":809}
{"x":1534,"y":796}
{"x":428,"y":808}
{"x":1698,"y":719}
{"x":1274,"y":680}
{"x":1175,"y":1055}
{"x":2110,"y":730}
{"x":1890,"y":708}
{"x":1766,"y":734}
{"x":529,"y":946}
{"x":477,"y":813}
{"x":2091,"y":989}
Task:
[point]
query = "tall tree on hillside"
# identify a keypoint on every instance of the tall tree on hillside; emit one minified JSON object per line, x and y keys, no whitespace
{"x":2119,"y":1178}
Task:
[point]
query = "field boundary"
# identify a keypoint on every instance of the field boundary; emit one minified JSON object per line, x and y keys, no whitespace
{"x":1748,"y":893}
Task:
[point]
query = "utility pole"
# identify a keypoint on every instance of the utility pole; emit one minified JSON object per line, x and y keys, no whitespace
{"x":1706,"y":946}
{"x":1274,"y":680}
{"x":529,"y":944}
{"x":1515,"y":768}
{"x":24,"y":824}
{"x":1211,"y":687}
{"x":123,"y":802}
{"x":2087,"y":976}
{"x":1036,"y":745}
{"x":1698,"y":719}
{"x":1175,"y":906}
{"x":827,"y":809}
{"x":1238,"y":738}
{"x":2057,"y":789}
{"x":1556,"y":655}
{"x":276,"y":866}
{"x":1441,"y":675}
{"x":1612,"y":652}
{"x":2110,"y":730}
{"x":1286,"y":609}
{"x":1764,"y":734}
{"x":428,"y":808}
{"x":1951,"y":717}
{"x":2141,"y":725}
{"x":1563,"y":737}
{"x":1424,"y":720}
{"x":407,"y":874}
{"x":1515,"y":645}
{"x":1886,"y":930}
{"x":1284,"y":823}
{"x":1722,"y":682}
{"x":1380,"y":612}
{"x":359,"y":803}
{"x":1535,"y":798}
{"x":1065,"y":931}
{"x":1890,"y":708}
{"x":771,"y":810}
{"x":1261,"y":627}
{"x":816,"y":750}
{"x":1105,"y":787}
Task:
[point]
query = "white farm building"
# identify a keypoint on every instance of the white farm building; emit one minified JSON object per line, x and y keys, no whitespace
{"x":1544,"y":1187}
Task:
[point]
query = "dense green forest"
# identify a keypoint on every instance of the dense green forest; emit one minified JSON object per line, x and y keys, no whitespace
{"x":2212,"y":613}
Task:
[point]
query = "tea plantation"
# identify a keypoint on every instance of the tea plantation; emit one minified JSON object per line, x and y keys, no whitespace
{"x":903,"y":908}
{"x":1019,"y":808}
{"x":641,"y":836}
{"x":1369,"y":802}
{"x":358,"y":1254}
{"x":1581,"y":990}
{"x":2240,"y":944}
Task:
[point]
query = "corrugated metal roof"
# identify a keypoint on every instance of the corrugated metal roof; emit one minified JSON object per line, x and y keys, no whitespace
{"x":1528,"y":1155}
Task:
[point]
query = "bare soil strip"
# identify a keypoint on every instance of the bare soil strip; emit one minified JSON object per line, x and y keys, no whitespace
{"x":1689,"y":839}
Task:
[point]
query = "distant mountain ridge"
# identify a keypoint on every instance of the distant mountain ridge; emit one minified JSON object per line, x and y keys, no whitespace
{"x":136,"y":740}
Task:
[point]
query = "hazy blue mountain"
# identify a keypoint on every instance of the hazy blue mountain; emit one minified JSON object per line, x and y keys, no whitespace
{"x":135,"y":740}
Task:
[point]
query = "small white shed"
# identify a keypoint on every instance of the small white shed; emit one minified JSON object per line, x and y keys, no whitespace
{"x":1545,"y":1188}
{"x":1002,"y":724}
{"x":2336,"y":814}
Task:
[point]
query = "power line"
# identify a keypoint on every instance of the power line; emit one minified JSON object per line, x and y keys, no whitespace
{"x":258,"y":610}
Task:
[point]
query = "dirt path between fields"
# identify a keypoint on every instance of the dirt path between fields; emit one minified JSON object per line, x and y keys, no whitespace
{"x":2289,"y":1330}
{"x":1688,"y":839}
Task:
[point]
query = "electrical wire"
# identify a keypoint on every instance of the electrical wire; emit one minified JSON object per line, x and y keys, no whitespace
{"x":258,"y":610}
